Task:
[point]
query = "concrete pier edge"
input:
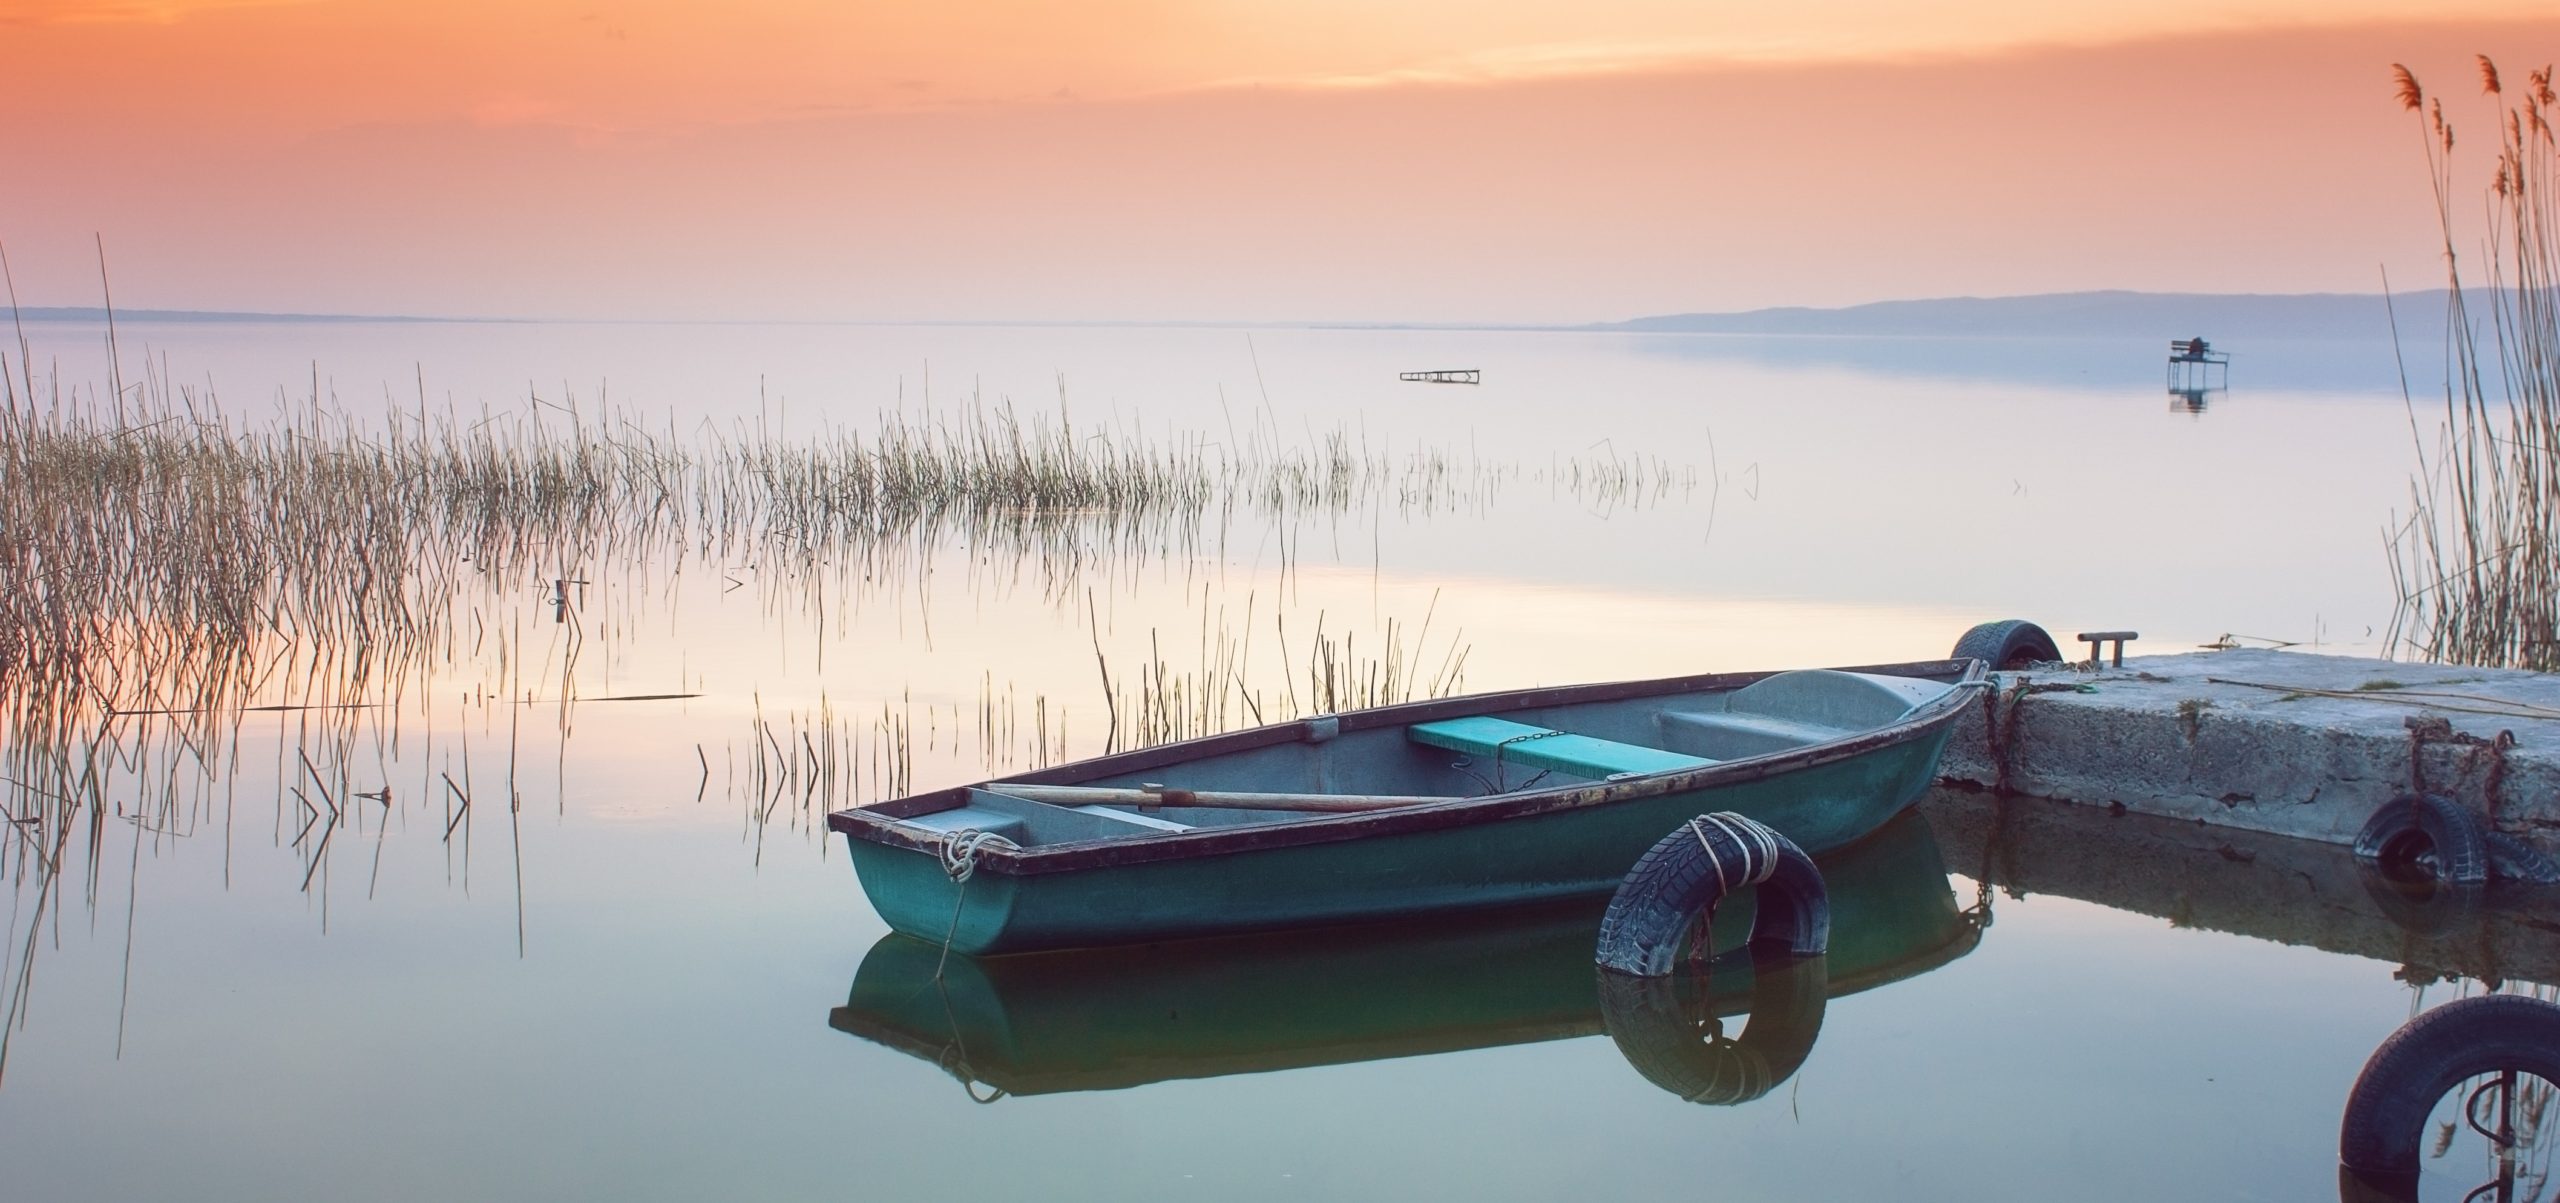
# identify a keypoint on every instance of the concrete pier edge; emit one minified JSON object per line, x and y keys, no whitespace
{"x":2291,"y":743}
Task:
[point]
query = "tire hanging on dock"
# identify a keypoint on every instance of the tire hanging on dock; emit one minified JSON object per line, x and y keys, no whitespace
{"x":2426,"y":863}
{"x":2431,"y":864}
{"x":2425,"y":836}
{"x":1686,"y":874}
{"x":2007,"y":644}
{"x":2512,"y":859}
{"x":2381,"y":1139}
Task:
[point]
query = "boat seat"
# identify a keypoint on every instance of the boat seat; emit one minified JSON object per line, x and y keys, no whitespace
{"x":963,"y":818}
{"x":1133,"y":817}
{"x":1507,"y":742}
{"x":1734,"y":736}
{"x":1794,"y":709}
{"x":1828,"y":697}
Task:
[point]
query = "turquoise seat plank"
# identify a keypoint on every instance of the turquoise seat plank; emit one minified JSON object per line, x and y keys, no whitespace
{"x":1540,"y":748}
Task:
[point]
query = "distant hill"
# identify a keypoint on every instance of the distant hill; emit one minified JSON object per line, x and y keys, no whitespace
{"x":2111,"y":314}
{"x":2221,"y":317}
{"x":92,"y":313}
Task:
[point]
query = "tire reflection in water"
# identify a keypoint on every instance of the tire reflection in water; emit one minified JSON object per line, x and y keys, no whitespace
{"x":2499,"y":1055}
{"x":1668,"y":1029}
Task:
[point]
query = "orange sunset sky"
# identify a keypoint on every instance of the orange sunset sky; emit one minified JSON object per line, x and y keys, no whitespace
{"x":1254,"y":160}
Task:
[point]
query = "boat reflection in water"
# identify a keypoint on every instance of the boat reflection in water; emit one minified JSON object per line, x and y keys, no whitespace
{"x":1108,"y":1019}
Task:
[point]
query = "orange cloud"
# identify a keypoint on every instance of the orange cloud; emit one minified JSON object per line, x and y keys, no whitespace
{"x":518,"y":159}
{"x":290,"y":66}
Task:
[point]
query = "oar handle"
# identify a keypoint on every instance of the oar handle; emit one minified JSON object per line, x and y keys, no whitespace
{"x":1097,"y":795}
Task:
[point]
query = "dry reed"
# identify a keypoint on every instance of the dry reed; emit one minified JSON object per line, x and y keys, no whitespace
{"x":2476,"y":564}
{"x":167,"y":567}
{"x":804,"y":763}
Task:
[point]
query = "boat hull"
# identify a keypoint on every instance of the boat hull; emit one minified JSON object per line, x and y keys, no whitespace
{"x":1579,"y":843}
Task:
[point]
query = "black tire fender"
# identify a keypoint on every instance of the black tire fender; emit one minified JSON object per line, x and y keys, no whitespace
{"x":2512,"y":859}
{"x":2380,"y":1140}
{"x":1688,"y":872}
{"x":2420,"y":836}
{"x":1663,"y":1027}
{"x":2007,"y":644}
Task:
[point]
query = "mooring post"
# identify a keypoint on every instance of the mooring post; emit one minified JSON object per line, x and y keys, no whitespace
{"x":2095,"y":639}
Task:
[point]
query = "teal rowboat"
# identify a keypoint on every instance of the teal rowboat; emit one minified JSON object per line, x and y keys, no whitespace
{"x":1446,"y":805}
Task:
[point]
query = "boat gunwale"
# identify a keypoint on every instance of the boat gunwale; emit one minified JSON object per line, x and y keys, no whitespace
{"x":878,"y":824}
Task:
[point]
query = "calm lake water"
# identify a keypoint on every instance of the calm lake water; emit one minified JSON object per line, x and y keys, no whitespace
{"x":653,"y":977}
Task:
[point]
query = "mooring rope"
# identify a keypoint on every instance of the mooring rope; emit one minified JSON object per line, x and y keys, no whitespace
{"x":2000,"y":719}
{"x":960,"y":1067}
{"x":1758,"y":843}
{"x":959,"y":853}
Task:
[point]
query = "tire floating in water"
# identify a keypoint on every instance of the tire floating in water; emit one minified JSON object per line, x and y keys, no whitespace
{"x":1683,"y":877}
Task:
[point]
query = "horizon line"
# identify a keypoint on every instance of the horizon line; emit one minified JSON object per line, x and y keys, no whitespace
{"x":102,"y":313}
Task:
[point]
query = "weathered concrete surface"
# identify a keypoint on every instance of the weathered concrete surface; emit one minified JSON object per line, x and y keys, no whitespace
{"x":2285,"y":742}
{"x":2247,"y":883}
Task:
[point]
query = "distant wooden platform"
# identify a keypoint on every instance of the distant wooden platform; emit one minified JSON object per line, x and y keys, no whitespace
{"x":2192,"y":364}
{"x":2195,"y":350}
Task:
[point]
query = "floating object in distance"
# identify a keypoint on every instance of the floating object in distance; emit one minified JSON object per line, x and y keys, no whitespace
{"x":2196,"y":350}
{"x":2191,"y":373}
{"x":1445,"y":376}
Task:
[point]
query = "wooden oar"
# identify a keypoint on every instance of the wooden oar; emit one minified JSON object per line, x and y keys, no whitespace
{"x":1095,"y":795}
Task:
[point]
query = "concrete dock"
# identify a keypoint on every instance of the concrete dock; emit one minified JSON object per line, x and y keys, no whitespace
{"x":2285,"y":742}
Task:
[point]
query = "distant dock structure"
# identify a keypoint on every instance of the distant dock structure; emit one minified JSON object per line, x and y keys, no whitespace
{"x":2196,"y":372}
{"x":1444,"y":376}
{"x":2192,"y":364}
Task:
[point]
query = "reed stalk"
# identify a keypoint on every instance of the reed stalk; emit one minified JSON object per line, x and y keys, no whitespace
{"x":2476,"y":563}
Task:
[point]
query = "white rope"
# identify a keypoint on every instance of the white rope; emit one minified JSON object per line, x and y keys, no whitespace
{"x":1758,"y":843}
{"x":1721,"y":884}
{"x":959,"y":851}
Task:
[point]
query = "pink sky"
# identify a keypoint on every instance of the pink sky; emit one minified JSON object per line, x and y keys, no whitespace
{"x":1212,"y":159}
